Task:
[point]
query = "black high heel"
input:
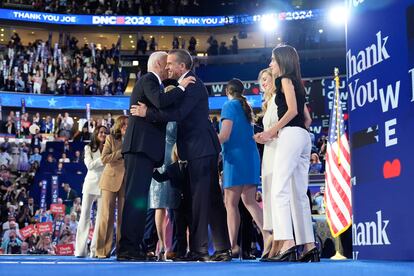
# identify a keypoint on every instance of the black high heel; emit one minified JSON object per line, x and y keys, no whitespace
{"x":161,"y":256}
{"x":289,"y":255}
{"x":312,"y":256}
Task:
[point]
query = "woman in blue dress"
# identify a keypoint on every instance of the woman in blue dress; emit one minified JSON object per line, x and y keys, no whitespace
{"x":241,"y":164}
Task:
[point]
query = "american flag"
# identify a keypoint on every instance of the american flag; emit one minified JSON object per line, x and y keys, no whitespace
{"x":338,"y":171}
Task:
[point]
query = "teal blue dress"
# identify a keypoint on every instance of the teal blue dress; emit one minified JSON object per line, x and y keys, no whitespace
{"x":241,"y":161}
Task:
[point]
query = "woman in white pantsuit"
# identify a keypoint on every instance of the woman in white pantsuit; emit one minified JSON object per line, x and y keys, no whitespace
{"x":291,"y":216}
{"x":269,"y":108}
{"x":90,"y":192}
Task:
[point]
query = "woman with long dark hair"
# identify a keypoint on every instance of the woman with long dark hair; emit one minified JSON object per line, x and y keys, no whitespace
{"x":91,"y":192}
{"x":291,"y":213}
{"x":241,"y":161}
{"x":113,"y":189}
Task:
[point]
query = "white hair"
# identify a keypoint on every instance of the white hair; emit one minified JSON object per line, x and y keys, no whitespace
{"x":154,"y":58}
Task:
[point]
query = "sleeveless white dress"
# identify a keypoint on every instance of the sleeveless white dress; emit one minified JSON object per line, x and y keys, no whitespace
{"x":270,"y":118}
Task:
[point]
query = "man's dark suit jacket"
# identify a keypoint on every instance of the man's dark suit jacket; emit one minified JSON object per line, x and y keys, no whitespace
{"x":71,"y":195}
{"x":143,"y":136}
{"x":196,"y":136}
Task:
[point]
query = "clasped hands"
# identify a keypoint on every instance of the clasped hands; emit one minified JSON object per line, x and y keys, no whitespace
{"x":266,"y":136}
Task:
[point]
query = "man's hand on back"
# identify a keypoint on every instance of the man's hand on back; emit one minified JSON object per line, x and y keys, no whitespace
{"x":139,"y":110}
{"x":186,"y":81}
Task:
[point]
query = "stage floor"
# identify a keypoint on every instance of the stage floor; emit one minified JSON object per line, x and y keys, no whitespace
{"x":58,"y":265}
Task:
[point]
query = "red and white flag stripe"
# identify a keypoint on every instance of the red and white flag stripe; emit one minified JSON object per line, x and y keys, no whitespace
{"x":338,"y":186}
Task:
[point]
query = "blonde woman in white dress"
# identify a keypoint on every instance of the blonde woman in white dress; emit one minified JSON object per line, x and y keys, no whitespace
{"x":90,"y":192}
{"x":269,"y":109}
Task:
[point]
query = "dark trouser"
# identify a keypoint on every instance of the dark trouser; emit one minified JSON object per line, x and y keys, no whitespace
{"x":182,"y":220}
{"x":149,"y":242}
{"x":246,"y":231}
{"x":138,"y":175}
{"x":207,"y":206}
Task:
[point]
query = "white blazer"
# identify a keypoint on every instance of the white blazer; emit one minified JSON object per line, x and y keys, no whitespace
{"x":95,"y":168}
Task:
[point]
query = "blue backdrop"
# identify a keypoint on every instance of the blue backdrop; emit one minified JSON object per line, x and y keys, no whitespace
{"x":381,"y":109}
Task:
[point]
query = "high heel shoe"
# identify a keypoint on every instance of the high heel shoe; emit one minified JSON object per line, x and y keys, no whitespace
{"x":267,"y":247}
{"x":289,"y":255}
{"x":161,"y":256}
{"x":236,"y":253}
{"x":312,"y":256}
{"x":265,"y":257}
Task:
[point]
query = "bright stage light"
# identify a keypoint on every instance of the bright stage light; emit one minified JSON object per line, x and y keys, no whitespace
{"x":268,"y":23}
{"x":338,"y":15}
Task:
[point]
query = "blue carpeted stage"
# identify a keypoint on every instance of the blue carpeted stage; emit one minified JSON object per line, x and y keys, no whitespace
{"x":53,"y":265}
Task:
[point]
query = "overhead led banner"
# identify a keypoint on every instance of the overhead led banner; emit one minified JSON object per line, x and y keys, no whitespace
{"x":95,"y":102}
{"x":168,"y":21}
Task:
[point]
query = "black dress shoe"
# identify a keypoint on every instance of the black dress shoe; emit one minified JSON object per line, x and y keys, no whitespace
{"x":198,"y":257}
{"x":131,"y":257}
{"x":151,"y":256}
{"x":248,"y":256}
{"x":221,"y":256}
{"x":193,"y":257}
{"x":180,"y":258}
{"x":289,"y":255}
{"x":312,"y":256}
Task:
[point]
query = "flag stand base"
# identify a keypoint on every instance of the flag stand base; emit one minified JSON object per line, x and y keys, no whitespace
{"x":338,"y":256}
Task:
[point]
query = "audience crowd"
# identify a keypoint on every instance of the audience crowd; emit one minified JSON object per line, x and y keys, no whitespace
{"x":133,"y":7}
{"x":61,"y":126}
{"x":145,"y":7}
{"x":61,"y":69}
{"x":20,"y":212}
{"x":66,"y":69}
{"x":19,"y":162}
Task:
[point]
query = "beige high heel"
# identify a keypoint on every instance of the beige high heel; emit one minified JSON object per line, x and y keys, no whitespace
{"x":267,"y":247}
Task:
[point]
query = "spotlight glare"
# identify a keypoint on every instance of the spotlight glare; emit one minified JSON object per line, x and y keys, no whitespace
{"x":320,"y":31}
{"x":338,"y":15}
{"x":268,"y":23}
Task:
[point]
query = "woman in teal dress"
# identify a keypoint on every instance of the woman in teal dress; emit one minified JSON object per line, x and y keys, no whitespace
{"x":241,"y":164}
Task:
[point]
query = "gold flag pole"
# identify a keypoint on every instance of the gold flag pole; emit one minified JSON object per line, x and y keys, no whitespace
{"x":338,"y":137}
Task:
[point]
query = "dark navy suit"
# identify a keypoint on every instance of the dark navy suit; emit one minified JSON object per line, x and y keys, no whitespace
{"x":143,"y":150}
{"x":197,"y":142}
